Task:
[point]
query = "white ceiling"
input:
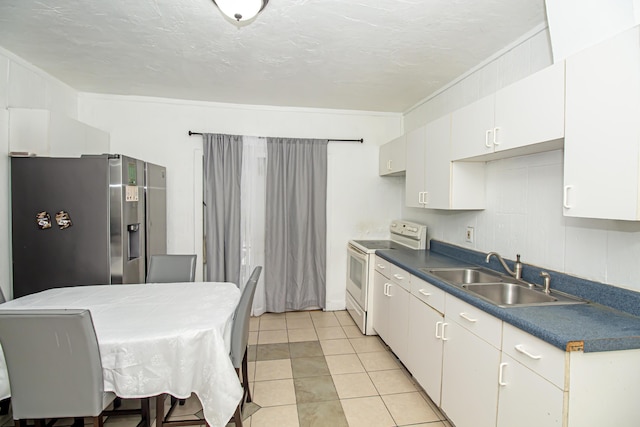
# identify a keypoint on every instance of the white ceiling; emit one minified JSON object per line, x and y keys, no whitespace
{"x":378,"y":55}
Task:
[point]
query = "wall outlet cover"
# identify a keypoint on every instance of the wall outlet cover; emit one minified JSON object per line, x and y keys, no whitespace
{"x":469,"y":235}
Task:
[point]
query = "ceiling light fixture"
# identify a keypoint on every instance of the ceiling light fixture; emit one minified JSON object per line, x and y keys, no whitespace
{"x":241,"y":10}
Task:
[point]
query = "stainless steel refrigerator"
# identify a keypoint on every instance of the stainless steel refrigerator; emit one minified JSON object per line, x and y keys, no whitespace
{"x":84,"y":221}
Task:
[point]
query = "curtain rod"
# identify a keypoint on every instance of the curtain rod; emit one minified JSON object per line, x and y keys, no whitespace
{"x":361,"y":140}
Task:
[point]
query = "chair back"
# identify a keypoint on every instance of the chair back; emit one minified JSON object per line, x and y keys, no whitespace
{"x":240,"y":328}
{"x":53,"y":361}
{"x":171,"y":268}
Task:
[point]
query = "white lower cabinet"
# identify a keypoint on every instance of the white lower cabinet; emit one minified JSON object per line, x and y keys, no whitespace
{"x":483,"y":372}
{"x":531,"y":381}
{"x":424,"y":359}
{"x":469,"y":373}
{"x":391,"y":319}
{"x":380,"y":305}
{"x":526,"y":399}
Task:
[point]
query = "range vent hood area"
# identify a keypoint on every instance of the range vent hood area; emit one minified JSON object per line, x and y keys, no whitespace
{"x":577,"y":24}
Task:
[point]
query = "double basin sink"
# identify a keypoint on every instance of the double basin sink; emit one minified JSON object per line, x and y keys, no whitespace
{"x":501,"y":290}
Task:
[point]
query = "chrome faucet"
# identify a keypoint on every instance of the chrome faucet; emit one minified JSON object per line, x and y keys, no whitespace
{"x":517,"y":266}
{"x":547,"y":282}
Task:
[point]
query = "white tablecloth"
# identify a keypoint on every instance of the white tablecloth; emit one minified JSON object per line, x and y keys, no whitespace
{"x":158,"y":338}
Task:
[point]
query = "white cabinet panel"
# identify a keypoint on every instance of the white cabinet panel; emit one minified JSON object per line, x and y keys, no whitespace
{"x":527,"y":115}
{"x":527,"y":399}
{"x":469,"y":377}
{"x":472,"y":129}
{"x":392,"y":157}
{"x":415,"y":163}
{"x":432,"y":180}
{"x":531,"y":110}
{"x":424,"y":358}
{"x":602,"y":134}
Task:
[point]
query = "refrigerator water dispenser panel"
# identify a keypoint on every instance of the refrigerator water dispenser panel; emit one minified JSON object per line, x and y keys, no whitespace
{"x":135,"y":246}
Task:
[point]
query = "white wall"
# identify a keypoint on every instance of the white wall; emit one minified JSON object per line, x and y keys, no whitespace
{"x":524,"y":194}
{"x":22,"y":86}
{"x":359,"y":203}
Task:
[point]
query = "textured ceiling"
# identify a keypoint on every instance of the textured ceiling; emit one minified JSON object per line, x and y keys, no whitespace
{"x":378,"y":55}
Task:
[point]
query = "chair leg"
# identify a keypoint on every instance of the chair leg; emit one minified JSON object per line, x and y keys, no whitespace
{"x":245,"y":378}
{"x":237,"y":417}
{"x":98,"y":421}
{"x":145,"y":412}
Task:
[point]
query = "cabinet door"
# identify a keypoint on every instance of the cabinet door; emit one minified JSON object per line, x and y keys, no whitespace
{"x":380,"y":305}
{"x":392,"y":157}
{"x":414,"y":175}
{"x":602,"y":133}
{"x":526,"y":399}
{"x":398,"y":320}
{"x":424,"y":359}
{"x":531,"y":110}
{"x":437,"y":164}
{"x":469,"y":378}
{"x":472,"y":129}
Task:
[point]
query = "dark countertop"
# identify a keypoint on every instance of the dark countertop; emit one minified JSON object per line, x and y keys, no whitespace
{"x":591,"y":327}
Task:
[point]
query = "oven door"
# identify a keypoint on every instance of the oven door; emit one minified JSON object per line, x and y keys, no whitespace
{"x":357,"y":272}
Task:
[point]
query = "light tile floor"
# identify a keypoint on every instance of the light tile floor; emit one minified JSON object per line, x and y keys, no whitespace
{"x":315,"y":369}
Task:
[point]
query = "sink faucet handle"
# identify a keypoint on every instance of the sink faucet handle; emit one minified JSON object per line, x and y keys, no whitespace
{"x":547,"y":281}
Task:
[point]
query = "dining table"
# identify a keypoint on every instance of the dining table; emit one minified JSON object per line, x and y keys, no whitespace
{"x":171,"y":338}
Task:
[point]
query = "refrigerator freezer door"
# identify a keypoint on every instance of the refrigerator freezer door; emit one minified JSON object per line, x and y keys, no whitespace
{"x":60,"y":223}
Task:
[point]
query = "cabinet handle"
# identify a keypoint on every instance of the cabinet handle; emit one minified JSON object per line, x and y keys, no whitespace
{"x":466,"y":317}
{"x":501,"y":374}
{"x":426,"y":197}
{"x":486,"y":139}
{"x":425,"y":293}
{"x":495,"y":136}
{"x":565,"y":197}
{"x":442,"y":336}
{"x":520,"y":349}
{"x":438,"y":324}
{"x":381,"y":266}
{"x":399,"y":277}
{"x":388,"y":164}
{"x":388,"y":289}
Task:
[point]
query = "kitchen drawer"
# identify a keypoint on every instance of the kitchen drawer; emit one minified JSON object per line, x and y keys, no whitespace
{"x":428,"y":293}
{"x":475,"y":320}
{"x":537,"y":355}
{"x":393,"y":272}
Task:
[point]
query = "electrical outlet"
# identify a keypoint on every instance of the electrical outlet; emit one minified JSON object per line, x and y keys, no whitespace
{"x":469,"y":235}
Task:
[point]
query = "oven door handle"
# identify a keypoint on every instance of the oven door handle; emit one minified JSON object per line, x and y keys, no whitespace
{"x":357,"y":252}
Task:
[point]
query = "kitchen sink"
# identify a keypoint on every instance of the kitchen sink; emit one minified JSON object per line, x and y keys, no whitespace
{"x":505,"y":294}
{"x":461,"y":276}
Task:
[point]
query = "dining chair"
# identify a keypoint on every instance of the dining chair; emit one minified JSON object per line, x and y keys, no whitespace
{"x":171,"y":268}
{"x":240,"y":336}
{"x":54,"y":366}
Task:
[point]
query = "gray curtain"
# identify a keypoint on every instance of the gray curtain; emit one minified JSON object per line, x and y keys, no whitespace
{"x":222,"y":173}
{"x":296,"y":224}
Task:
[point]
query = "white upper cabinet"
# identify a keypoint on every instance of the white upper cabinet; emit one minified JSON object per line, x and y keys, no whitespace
{"x":523,"y":118}
{"x":602,"y":135}
{"x":392,"y":157}
{"x":432,"y":180}
{"x":46,"y":133}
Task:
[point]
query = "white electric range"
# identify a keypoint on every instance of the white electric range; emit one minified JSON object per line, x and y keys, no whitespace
{"x":360,"y":267}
